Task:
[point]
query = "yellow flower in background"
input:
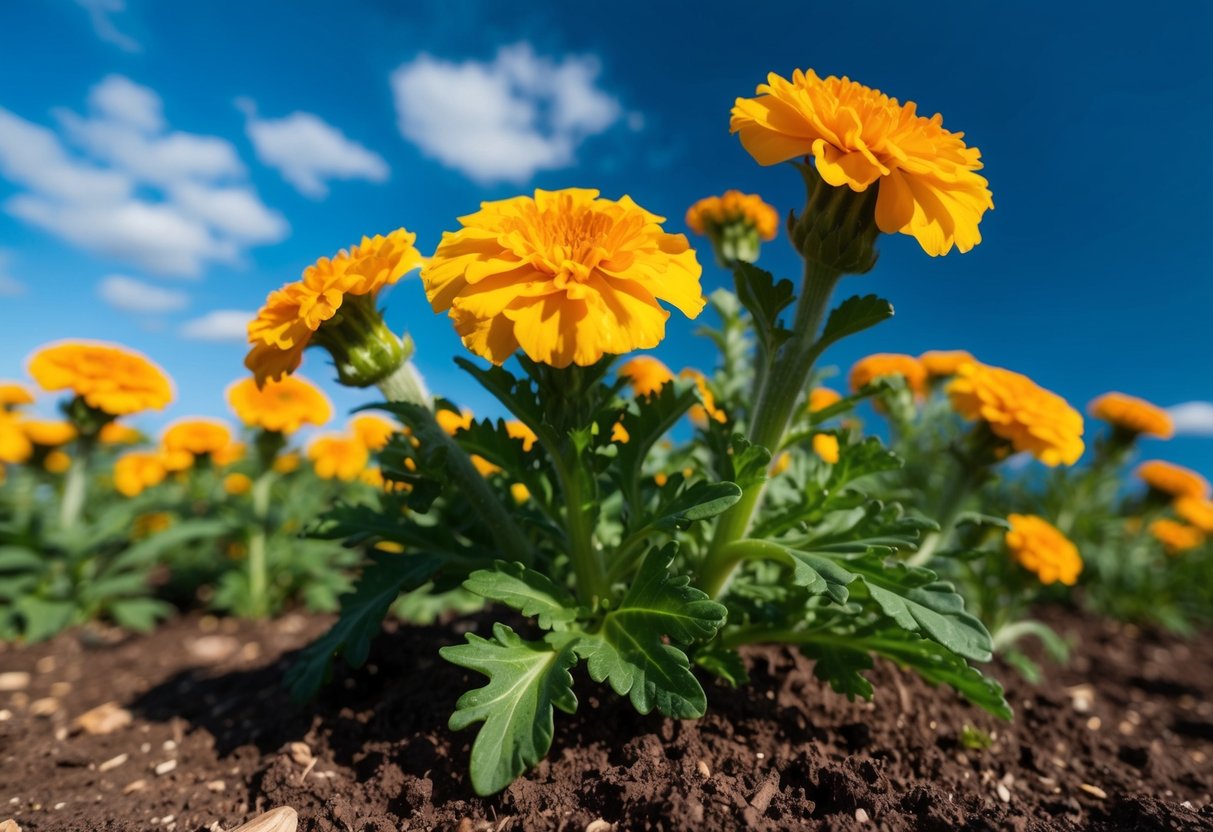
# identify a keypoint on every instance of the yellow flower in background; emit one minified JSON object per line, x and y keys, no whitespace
{"x":486,"y":468}
{"x":56,"y":462}
{"x":146,"y":525}
{"x":110,"y":378}
{"x":1197,"y":511}
{"x":825,"y":445}
{"x":229,"y":454}
{"x":517,"y":430}
{"x":943,"y":363}
{"x":519,"y":492}
{"x":620,"y":434}
{"x":292,"y":315}
{"x":1173,"y":479}
{"x":1018,"y":410}
{"x":565,"y":275}
{"x":822,"y":397}
{"x":116,"y":433}
{"x":780,"y":464}
{"x":237,"y":484}
{"x":287,"y":463}
{"x":867,"y":370}
{"x":927,"y":178}
{"x":1040,"y":548}
{"x":339,"y":457}
{"x":453,"y":422}
{"x":645,"y":374}
{"x":701,"y":413}
{"x":48,"y":433}
{"x":373,"y":430}
{"x":281,"y":406}
{"x":1132,"y":415}
{"x":1176,"y":537}
{"x":197,"y":436}
{"x":733,"y":206}
{"x":135,"y":471}
{"x":14,"y":394}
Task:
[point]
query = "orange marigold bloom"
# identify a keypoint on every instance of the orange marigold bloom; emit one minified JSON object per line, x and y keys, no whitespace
{"x":1041,"y":548}
{"x":1196,"y":510}
{"x":1133,"y":415}
{"x":486,"y":468}
{"x":15,"y":446}
{"x":13,"y":394}
{"x":519,"y":492}
{"x":1176,"y":537}
{"x":281,"y":406}
{"x":197,"y":436}
{"x":287,"y":463}
{"x":822,"y":397}
{"x":110,"y":378}
{"x":136,"y":470}
{"x":825,"y":445}
{"x":237,"y":484}
{"x":928,"y":184}
{"x":564,"y":275}
{"x":867,"y":370}
{"x":1018,"y":410}
{"x":335,"y":456}
{"x":700,"y":414}
{"x":734,"y":206}
{"x":1173,"y":479}
{"x":57,"y":462}
{"x":453,"y":422}
{"x":48,"y":433}
{"x":116,"y":433}
{"x":284,"y":327}
{"x":229,"y":454}
{"x":942,"y":363}
{"x":518,"y":430}
{"x":620,"y":434}
{"x":373,"y":430}
{"x":645,"y":374}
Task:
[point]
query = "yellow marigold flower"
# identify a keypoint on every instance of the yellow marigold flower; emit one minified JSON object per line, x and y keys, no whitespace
{"x":146,"y":525}
{"x":1041,"y":548}
{"x":661,"y":479}
{"x":116,"y":433}
{"x":565,"y":275}
{"x":881,"y":364}
{"x":281,"y":406}
{"x":1196,"y":510}
{"x":229,"y":454}
{"x":519,"y":492}
{"x":197,"y":436}
{"x":1173,"y":479}
{"x":1016,"y":409}
{"x":1176,"y":537}
{"x":48,"y":433}
{"x":645,"y":374}
{"x":13,"y":394}
{"x":486,"y":468}
{"x":943,"y":363}
{"x":110,"y":378}
{"x":15,"y":446}
{"x":733,"y":206}
{"x":620,"y":434}
{"x":822,"y":397}
{"x":338,"y":457}
{"x":1132,"y":415}
{"x":928,"y":185}
{"x":453,"y":422}
{"x":700,"y":414}
{"x":287,"y":463}
{"x":373,"y":430}
{"x":237,"y":484}
{"x":136,"y":470}
{"x":57,"y":462}
{"x":825,"y":445}
{"x":517,"y":430}
{"x":392,"y":547}
{"x":292,"y":315}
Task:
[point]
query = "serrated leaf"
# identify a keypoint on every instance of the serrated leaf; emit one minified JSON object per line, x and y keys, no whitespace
{"x":938,"y":665}
{"x":630,"y":650}
{"x":724,"y":663}
{"x":855,"y":314}
{"x":699,"y":502}
{"x":821,"y":575}
{"x":842,"y":667}
{"x":647,"y":420}
{"x":764,"y":298}
{"x":750,"y":463}
{"x":362,"y":612}
{"x":526,"y":680}
{"x":527,"y":591}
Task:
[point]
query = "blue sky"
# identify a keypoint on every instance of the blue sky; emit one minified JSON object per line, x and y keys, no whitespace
{"x":184,"y":159}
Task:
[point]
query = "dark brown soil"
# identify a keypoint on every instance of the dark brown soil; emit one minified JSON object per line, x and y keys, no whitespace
{"x":1120,"y":739}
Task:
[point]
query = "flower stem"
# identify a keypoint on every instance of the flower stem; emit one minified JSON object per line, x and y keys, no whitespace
{"x":947,"y":509}
{"x":258,"y":572}
{"x":588,"y":568}
{"x":74,"y":486}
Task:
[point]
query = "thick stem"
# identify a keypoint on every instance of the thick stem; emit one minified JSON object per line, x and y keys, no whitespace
{"x":583,"y":552}
{"x":407,"y":385}
{"x":74,"y":486}
{"x":258,"y":571}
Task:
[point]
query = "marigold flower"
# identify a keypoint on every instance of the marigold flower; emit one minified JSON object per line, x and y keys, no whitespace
{"x":373,"y":430}
{"x":335,"y":456}
{"x":519,"y":492}
{"x":296,"y":313}
{"x":48,"y":433}
{"x":229,"y":454}
{"x":13,"y":394}
{"x":135,"y":471}
{"x":566,"y":276}
{"x":735,"y":223}
{"x":237,"y":484}
{"x":518,"y":430}
{"x":1198,"y":511}
{"x":56,"y":462}
{"x":1132,"y":415}
{"x":620,"y":434}
{"x":1173,"y":479}
{"x":1176,"y":537}
{"x":822,"y":397}
{"x":928,"y":185}
{"x":645,"y":374}
{"x":486,"y":468}
{"x":1039,"y":547}
{"x":825,"y":445}
{"x":109,"y":378}
{"x":281,"y":406}
{"x":700,"y":413}
{"x":943,"y":363}
{"x":146,"y":525}
{"x":869,"y":369}
{"x":116,"y":433}
{"x":1018,"y":410}
{"x":197,"y":436}
{"x":287,"y":463}
{"x":453,"y":422}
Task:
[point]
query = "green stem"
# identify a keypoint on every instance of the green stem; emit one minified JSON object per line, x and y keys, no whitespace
{"x":777,"y":401}
{"x":947,"y":511}
{"x":583,"y":552}
{"x":258,"y":572}
{"x":74,"y":486}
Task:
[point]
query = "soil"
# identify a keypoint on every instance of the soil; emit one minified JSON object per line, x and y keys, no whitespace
{"x":1120,"y":739}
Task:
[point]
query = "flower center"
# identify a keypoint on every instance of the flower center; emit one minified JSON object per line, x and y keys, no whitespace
{"x":567,"y":241}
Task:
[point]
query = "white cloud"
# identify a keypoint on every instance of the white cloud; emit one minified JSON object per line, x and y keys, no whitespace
{"x":220,"y":325}
{"x":99,"y":12}
{"x":506,"y":119}
{"x":10,"y":287}
{"x":308,"y":151}
{"x":118,"y":182}
{"x":132,"y":295}
{"x":1192,"y":418}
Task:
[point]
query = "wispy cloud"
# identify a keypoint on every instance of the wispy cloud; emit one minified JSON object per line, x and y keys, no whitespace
{"x":131,"y":295}
{"x":120,"y":183}
{"x":10,"y":287}
{"x":1192,"y":418}
{"x":229,"y":325}
{"x":309,"y":152}
{"x":101,"y":13}
{"x":505,"y":119}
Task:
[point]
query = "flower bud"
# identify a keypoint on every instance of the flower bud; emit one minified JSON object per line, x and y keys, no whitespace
{"x":838,"y":225}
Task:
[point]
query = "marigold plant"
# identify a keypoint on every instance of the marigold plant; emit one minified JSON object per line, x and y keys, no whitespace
{"x":1132,"y":415}
{"x":282,"y":406}
{"x":114,"y":380}
{"x":1040,"y":548}
{"x":1173,"y":480}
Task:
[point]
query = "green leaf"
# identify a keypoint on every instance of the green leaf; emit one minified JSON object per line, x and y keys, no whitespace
{"x":527,"y":591}
{"x":765,"y":298}
{"x":938,"y":665}
{"x":647,"y":420}
{"x":821,"y":575}
{"x":140,"y":614}
{"x":723,"y":663}
{"x":526,"y":680}
{"x":362,"y":613}
{"x":43,"y":618}
{"x":842,"y":667}
{"x":699,"y":502}
{"x":749,"y":463}
{"x":630,"y":650}
{"x":855,"y":314}
{"x":518,"y":395}
{"x":20,"y":559}
{"x":152,"y":549}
